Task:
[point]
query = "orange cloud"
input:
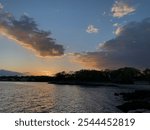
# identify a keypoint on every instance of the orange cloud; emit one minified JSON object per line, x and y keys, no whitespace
{"x":26,"y":33}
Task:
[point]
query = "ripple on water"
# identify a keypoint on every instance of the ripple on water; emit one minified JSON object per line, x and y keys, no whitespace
{"x":43,"y":97}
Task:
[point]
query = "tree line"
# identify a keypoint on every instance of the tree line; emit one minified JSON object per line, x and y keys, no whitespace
{"x":127,"y":75}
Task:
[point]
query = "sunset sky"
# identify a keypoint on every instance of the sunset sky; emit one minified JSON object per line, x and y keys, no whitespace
{"x":44,"y":37}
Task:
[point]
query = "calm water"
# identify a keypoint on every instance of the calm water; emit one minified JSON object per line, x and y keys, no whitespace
{"x":43,"y":97}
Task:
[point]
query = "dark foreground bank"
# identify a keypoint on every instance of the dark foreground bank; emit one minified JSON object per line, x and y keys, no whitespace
{"x":137,"y":101}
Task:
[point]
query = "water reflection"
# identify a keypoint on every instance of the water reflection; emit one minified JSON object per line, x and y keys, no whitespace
{"x":43,"y":97}
{"x":26,"y":97}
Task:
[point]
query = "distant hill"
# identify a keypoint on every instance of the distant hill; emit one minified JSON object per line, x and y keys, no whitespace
{"x":10,"y":73}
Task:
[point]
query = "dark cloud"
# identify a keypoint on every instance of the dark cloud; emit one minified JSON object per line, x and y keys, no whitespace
{"x":131,"y":47}
{"x":26,"y":32}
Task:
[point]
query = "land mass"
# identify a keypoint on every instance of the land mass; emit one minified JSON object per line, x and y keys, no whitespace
{"x":137,"y":101}
{"x":125,"y":75}
{"x":10,"y":73}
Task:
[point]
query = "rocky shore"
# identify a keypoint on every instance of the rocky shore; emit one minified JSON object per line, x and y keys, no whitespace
{"x":136,"y":102}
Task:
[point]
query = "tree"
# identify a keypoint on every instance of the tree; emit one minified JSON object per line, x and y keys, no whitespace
{"x":146,"y":74}
{"x":125,"y":75}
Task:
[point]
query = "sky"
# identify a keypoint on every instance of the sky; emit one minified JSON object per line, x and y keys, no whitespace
{"x":45,"y":37}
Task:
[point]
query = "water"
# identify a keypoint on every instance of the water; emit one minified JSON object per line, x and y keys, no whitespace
{"x":43,"y":97}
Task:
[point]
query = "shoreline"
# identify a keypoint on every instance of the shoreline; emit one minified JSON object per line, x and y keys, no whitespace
{"x":135,"y":102}
{"x":98,"y":84}
{"x":83,"y":83}
{"x":92,"y":84}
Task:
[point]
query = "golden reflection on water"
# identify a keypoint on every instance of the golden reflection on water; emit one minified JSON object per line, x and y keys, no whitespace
{"x":44,"y":97}
{"x":27,"y":97}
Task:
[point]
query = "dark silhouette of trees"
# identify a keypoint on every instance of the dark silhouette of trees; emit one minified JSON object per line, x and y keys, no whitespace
{"x":127,"y":75}
{"x":146,"y":74}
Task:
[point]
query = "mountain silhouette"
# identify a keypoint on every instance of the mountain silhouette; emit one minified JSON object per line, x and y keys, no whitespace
{"x":10,"y":73}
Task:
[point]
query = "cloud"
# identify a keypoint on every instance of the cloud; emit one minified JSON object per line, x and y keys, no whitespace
{"x":121,"y":8}
{"x":116,"y":24}
{"x":26,"y":33}
{"x":1,"y":6}
{"x":118,"y":30}
{"x":130,"y":47}
{"x":92,"y":29}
